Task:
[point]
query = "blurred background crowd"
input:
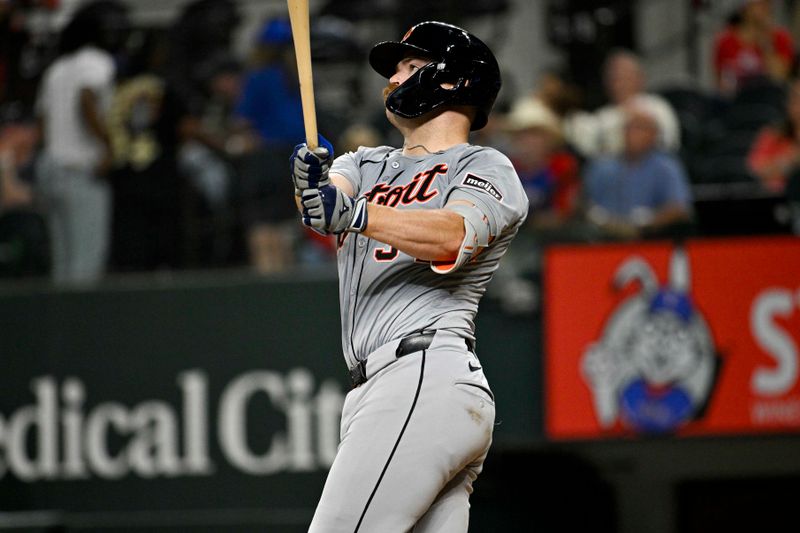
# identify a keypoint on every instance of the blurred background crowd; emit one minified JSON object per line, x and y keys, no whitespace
{"x":140,"y":144}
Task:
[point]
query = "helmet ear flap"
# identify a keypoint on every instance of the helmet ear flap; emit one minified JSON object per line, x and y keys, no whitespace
{"x":445,"y":73}
{"x":455,"y":66}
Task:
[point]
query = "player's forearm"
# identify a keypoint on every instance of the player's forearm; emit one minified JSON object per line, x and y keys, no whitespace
{"x":426,"y":234}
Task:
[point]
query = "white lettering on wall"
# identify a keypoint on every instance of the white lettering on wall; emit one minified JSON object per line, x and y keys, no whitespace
{"x":63,"y":434}
{"x":232,"y":423}
{"x":775,"y":341}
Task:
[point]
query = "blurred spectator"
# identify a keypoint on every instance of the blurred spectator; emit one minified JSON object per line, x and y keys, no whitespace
{"x":584,"y":32}
{"x":644,"y":191}
{"x":216,"y":136}
{"x":23,"y":232}
{"x":548,"y":172}
{"x":270,"y":105}
{"x":24,"y":47}
{"x":73,"y":103}
{"x":579,"y":128}
{"x":199,"y":46}
{"x":17,"y":144}
{"x":775,"y":153}
{"x":203,"y":30}
{"x":271,"y":229}
{"x":624,"y":80}
{"x":223,"y":82}
{"x":270,"y":100}
{"x":144,"y":127}
{"x":212,"y":157}
{"x":751,"y":47}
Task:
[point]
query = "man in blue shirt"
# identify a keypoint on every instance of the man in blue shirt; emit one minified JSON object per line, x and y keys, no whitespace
{"x":641,"y":192}
{"x":270,"y":100}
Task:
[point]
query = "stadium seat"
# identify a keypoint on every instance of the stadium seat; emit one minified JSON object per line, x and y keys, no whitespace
{"x":722,"y":168}
{"x":751,"y":116}
{"x":762,"y":92}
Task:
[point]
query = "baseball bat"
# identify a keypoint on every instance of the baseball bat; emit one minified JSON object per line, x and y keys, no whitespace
{"x":298,"y":17}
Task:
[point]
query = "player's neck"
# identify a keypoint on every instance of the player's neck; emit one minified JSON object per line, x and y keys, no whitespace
{"x":436,"y":134}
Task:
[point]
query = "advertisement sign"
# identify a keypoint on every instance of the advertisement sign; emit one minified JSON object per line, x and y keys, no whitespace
{"x":141,"y":405}
{"x":656,"y":338}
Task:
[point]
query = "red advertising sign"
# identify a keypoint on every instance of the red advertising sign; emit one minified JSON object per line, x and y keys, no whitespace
{"x":654,"y":338}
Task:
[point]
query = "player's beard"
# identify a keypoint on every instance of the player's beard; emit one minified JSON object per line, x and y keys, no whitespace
{"x":389,"y":115}
{"x":388,"y":90}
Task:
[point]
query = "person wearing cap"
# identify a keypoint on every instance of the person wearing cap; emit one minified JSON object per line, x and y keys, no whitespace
{"x":549,"y":173}
{"x":270,"y":99}
{"x":270,"y":113}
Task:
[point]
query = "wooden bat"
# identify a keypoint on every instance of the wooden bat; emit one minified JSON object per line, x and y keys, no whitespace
{"x":298,"y":17}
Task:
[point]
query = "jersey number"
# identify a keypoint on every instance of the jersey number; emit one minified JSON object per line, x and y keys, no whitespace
{"x":387,"y":254}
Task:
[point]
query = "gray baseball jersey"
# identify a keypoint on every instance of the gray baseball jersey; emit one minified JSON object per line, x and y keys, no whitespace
{"x":386,"y":294}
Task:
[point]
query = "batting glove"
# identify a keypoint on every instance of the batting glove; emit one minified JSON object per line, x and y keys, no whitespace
{"x":329,"y":210}
{"x":310,"y":167}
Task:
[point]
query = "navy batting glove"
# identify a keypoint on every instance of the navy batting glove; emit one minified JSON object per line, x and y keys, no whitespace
{"x":329,"y":210}
{"x":310,"y":167}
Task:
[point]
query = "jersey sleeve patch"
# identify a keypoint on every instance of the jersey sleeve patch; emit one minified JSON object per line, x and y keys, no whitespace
{"x":477,"y":182}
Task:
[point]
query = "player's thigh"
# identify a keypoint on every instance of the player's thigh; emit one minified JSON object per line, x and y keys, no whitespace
{"x":449,"y":513}
{"x":447,"y":433}
{"x":441,"y":452}
{"x":373,"y":424}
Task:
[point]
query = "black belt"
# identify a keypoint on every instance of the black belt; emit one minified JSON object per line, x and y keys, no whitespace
{"x":410,"y":344}
{"x":414,"y":343}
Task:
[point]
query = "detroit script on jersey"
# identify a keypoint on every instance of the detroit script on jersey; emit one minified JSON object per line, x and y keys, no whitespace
{"x":386,"y":294}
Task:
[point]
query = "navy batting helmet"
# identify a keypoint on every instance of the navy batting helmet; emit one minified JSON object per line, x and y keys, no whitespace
{"x":457,"y":58}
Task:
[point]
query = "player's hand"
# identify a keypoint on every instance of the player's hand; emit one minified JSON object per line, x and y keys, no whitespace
{"x":310,"y":167}
{"x":329,"y":210}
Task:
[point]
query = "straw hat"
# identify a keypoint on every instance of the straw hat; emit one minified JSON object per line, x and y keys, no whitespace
{"x":530,"y":113}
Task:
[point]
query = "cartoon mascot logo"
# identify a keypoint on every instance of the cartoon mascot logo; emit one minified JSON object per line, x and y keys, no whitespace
{"x":655,"y":366}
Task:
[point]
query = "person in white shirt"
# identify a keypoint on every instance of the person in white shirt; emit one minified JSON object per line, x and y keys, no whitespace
{"x":625,"y":85}
{"x":73,"y":100}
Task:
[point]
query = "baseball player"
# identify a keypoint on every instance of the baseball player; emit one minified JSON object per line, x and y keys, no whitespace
{"x":420,"y":231}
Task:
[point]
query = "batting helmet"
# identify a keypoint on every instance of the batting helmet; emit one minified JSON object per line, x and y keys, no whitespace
{"x":457,"y":58}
